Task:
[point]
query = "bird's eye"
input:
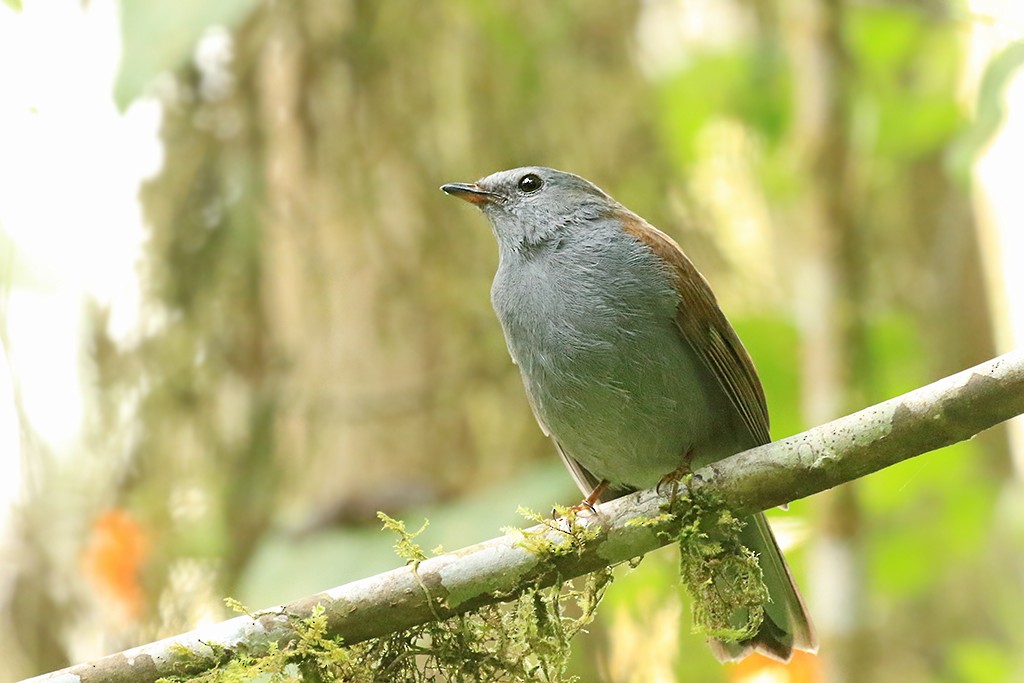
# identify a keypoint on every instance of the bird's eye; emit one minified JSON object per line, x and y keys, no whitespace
{"x":530,"y":183}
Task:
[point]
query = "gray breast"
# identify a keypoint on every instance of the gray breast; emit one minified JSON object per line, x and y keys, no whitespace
{"x":590,"y":323}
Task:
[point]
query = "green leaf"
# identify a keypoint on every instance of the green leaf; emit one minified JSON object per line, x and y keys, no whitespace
{"x":883,"y":38}
{"x":978,"y":661}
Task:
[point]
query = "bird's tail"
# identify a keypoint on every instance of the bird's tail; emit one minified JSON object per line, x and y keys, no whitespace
{"x":786,"y":626}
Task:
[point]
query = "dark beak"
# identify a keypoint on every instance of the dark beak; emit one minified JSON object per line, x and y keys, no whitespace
{"x":470,"y":192}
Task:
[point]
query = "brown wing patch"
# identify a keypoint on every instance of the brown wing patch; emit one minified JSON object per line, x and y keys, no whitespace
{"x":704,"y":327}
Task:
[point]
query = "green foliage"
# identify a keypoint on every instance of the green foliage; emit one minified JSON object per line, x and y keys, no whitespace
{"x":981,"y":662}
{"x":906,"y":71}
{"x":750,"y":85}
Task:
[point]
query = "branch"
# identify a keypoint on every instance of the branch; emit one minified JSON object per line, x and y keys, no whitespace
{"x":951,"y":410}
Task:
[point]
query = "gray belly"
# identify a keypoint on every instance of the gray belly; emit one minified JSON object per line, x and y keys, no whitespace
{"x":607,"y":371}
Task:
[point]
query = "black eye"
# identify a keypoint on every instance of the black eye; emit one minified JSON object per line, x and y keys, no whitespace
{"x":530,"y":183}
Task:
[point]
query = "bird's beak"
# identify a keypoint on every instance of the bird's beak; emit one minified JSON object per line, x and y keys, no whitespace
{"x":470,"y":192}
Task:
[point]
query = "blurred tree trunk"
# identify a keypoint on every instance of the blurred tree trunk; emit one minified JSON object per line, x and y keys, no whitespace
{"x":936,"y":276}
{"x":949,"y":284}
{"x":836,"y":370}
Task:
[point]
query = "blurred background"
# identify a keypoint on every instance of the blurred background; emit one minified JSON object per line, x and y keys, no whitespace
{"x":237,"y":316}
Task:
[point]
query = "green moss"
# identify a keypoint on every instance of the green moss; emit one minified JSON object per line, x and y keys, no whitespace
{"x":190,"y":659}
{"x":572,"y":536}
{"x":525,"y":640}
{"x":406,"y":546}
{"x":722,"y":576}
{"x":651,"y":522}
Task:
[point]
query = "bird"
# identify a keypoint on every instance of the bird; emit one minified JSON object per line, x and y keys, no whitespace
{"x":628,"y":362}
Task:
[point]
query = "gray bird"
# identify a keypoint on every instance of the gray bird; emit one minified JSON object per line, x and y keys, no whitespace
{"x":628,"y":362}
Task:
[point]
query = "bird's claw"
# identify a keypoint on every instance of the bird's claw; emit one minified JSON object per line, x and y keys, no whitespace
{"x":674,"y":477}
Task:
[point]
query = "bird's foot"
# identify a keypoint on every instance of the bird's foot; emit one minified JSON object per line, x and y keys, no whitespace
{"x":676,"y":476}
{"x":588,"y":502}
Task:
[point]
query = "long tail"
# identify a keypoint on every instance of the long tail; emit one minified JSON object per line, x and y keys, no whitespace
{"x":786,"y":626}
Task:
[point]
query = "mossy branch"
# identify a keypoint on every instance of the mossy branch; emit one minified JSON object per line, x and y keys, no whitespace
{"x":946,"y":412}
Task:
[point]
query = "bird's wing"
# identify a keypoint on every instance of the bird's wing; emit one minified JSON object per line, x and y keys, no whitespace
{"x":705,"y":329}
{"x":586,"y":481}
